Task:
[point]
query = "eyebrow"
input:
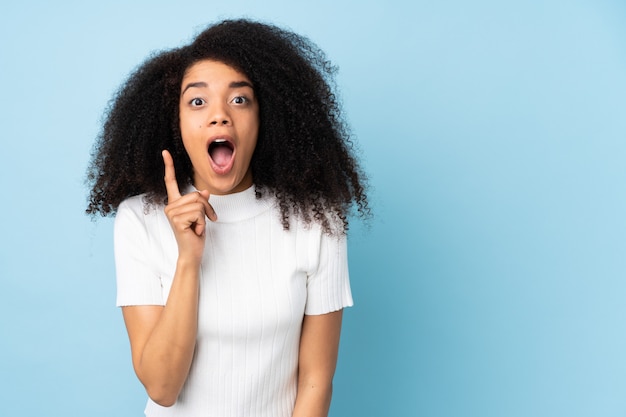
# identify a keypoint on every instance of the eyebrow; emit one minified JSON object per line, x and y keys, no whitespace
{"x":197,"y":84}
{"x":237,"y":84}
{"x":202,"y":84}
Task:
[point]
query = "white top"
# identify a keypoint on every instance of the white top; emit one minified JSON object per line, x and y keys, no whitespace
{"x":256,"y":283}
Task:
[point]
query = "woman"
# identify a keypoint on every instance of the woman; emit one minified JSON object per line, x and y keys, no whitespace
{"x":229,"y":169}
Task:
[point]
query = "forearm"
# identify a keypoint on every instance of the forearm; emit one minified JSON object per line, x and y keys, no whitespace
{"x":166,"y":357}
{"x":313,"y":400}
{"x":319,"y":345}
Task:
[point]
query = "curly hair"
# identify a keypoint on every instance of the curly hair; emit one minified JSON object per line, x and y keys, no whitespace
{"x":304,"y":153}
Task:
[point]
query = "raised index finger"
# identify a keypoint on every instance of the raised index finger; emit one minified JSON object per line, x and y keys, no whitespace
{"x":173,"y":193}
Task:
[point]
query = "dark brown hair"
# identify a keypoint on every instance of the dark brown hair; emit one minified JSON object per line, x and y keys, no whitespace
{"x":304,"y":155}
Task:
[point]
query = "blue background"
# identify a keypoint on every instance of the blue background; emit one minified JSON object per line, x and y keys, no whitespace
{"x":491,"y":281}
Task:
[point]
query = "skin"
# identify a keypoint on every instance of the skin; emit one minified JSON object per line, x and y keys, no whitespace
{"x":162,"y":338}
{"x":319,"y":345}
{"x":218,"y":102}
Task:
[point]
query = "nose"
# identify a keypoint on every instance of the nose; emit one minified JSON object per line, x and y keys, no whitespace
{"x":219,"y":115}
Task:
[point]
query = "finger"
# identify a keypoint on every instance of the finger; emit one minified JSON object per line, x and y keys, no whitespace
{"x":189,"y":217}
{"x":200,"y":226}
{"x":173,"y":193}
{"x":201,"y":197}
{"x":208,"y":209}
{"x":190,"y":202}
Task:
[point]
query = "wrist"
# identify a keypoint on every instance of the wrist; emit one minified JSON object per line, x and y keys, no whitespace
{"x":188,"y":264}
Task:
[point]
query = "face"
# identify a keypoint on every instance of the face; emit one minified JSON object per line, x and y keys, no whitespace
{"x":219,"y":124}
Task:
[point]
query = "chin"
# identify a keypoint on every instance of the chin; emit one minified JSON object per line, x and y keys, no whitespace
{"x":222,"y":189}
{"x":224,"y":184}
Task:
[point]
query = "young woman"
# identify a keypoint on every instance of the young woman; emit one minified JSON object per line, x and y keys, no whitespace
{"x":229,"y":169}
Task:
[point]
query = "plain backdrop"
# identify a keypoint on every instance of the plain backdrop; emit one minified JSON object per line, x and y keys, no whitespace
{"x":492,"y":279}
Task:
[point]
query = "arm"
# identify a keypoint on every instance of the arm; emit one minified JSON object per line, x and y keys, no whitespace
{"x":319,"y":346}
{"x":162,"y":338}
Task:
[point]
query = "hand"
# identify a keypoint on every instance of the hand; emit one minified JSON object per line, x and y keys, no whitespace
{"x":187,"y":214}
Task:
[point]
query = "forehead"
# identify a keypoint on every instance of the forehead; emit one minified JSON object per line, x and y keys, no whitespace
{"x":211,"y":70}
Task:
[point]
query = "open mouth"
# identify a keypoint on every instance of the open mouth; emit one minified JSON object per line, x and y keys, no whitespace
{"x":221,"y":152}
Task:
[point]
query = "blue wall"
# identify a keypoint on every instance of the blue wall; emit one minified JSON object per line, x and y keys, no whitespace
{"x":489,"y":283}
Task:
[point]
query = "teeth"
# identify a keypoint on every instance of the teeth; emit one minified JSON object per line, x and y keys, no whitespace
{"x":219,"y":141}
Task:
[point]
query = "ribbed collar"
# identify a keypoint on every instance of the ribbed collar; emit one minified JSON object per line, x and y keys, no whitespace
{"x":239,"y":206}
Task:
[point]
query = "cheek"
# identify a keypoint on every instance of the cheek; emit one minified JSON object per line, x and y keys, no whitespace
{"x":253,"y":138}
{"x":253,"y":129}
{"x":188,"y":129}
{"x":186,"y":135}
{"x":188,"y":121}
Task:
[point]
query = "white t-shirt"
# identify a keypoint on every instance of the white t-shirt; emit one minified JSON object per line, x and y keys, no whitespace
{"x":256,"y":283}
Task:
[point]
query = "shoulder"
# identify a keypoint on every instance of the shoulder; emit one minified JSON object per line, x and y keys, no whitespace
{"x":328,"y":227}
{"x":137,"y":210}
{"x":317,"y":220}
{"x":139,"y":204}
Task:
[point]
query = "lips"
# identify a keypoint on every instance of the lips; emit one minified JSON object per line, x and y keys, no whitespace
{"x":221,"y":152}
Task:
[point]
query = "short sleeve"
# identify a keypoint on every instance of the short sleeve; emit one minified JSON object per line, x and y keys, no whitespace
{"x":328,"y":287}
{"x":137,"y":281}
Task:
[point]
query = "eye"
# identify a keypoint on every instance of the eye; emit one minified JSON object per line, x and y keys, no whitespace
{"x":196,"y":102}
{"x":240,"y":100}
